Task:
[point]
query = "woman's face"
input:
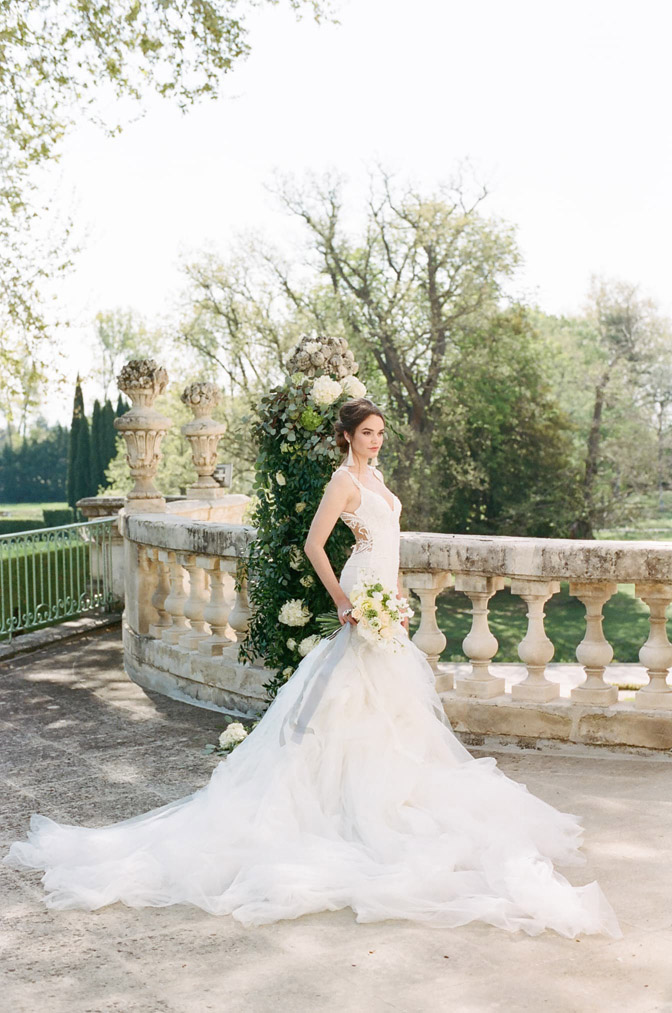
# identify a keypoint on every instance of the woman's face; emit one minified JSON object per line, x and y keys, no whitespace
{"x":368,"y":437}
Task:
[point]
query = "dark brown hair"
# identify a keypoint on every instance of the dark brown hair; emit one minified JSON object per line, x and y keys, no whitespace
{"x":351,"y":414}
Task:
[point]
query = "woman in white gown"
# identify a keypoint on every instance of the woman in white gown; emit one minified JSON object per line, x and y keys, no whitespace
{"x":351,"y":792}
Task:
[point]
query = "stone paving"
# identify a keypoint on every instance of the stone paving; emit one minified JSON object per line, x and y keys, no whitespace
{"x":82,"y":744}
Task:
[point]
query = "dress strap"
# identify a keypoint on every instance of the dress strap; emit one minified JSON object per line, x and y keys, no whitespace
{"x":342,"y":467}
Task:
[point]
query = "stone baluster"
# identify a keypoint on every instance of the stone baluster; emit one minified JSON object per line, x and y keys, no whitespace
{"x":535,"y":649}
{"x":239,"y":619}
{"x":174,"y":603}
{"x":203,"y":434}
{"x":594,"y":652}
{"x":428,"y":637}
{"x":480,"y":646}
{"x":194,"y":606}
{"x":143,"y":428}
{"x":161,"y":592}
{"x":216,"y":612}
{"x":656,"y":653}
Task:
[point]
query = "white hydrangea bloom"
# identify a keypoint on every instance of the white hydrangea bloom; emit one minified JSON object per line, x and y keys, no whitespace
{"x":325,"y":390}
{"x":294,"y":613}
{"x":280,"y":478}
{"x":307,"y":581}
{"x":353,"y":387}
{"x":232,"y":735}
{"x":308,"y":644}
{"x":312,"y":346}
{"x":291,"y":643}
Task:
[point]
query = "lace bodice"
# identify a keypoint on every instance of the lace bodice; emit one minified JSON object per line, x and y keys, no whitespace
{"x":376,"y":528}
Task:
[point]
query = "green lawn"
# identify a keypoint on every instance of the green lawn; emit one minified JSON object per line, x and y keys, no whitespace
{"x":29,"y":511}
{"x":625,"y":623}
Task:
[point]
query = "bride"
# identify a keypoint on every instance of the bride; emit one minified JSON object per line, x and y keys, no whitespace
{"x":352,"y":791}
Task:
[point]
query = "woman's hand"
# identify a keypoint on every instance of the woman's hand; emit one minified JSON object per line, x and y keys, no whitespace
{"x":342,"y":617}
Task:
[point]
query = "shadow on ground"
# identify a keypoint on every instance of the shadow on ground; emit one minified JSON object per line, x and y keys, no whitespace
{"x":83,"y":744}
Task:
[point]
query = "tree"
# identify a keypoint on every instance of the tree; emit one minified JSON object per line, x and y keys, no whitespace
{"x":36,"y":471}
{"x":506,"y":463}
{"x":59,"y":59}
{"x":120,"y":335}
{"x":79,"y":482}
{"x":402,"y":288}
{"x":601,"y":366}
{"x":97,"y":464}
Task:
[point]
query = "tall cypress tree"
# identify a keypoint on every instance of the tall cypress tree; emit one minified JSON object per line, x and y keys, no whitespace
{"x":109,"y":436}
{"x":97,"y":448}
{"x":73,"y":484}
{"x":83,"y":485}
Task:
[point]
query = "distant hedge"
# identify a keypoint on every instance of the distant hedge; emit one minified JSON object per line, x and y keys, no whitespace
{"x":13,"y":525}
{"x":54,"y":518}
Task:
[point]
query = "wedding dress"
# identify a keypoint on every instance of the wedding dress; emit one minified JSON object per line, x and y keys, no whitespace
{"x":352,"y":791}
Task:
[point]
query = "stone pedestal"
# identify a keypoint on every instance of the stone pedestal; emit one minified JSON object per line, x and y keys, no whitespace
{"x":203,"y":434}
{"x":143,"y":428}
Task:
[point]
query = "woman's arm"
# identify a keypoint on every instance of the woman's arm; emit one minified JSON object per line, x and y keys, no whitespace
{"x":332,"y":505}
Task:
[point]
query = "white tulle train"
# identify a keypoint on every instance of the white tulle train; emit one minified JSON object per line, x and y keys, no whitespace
{"x":374,"y":806}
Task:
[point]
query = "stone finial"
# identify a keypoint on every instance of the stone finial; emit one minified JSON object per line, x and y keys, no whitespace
{"x":143,"y":428}
{"x":203,"y":434}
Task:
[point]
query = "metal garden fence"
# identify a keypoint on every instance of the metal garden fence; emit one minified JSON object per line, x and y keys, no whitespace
{"x":52,"y":574}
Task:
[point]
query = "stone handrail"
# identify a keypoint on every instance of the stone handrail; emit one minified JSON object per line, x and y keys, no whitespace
{"x":184,"y":618}
{"x":186,"y":567}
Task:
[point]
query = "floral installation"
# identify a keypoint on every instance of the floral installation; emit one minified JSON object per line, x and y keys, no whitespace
{"x":293,"y":431}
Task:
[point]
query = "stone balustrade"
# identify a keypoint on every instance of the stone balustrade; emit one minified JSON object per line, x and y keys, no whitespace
{"x":187,"y":609}
{"x":185,"y":642}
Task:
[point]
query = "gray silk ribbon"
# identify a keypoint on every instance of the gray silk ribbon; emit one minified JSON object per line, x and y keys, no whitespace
{"x":309,"y":698}
{"x":311,"y":694}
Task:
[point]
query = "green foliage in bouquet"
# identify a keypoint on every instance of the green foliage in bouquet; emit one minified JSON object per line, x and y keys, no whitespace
{"x":297,"y":454}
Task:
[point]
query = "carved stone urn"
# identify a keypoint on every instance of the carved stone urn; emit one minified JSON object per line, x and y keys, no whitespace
{"x":203,"y":434}
{"x":143,"y":428}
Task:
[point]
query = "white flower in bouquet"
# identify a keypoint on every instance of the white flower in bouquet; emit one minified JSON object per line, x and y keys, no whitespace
{"x":325,"y":390}
{"x":280,"y":478}
{"x":295,"y":557}
{"x":379,"y":611}
{"x":232,"y":735}
{"x":312,"y":346}
{"x":353,"y":387}
{"x":291,"y":643}
{"x":287,"y":672}
{"x":307,"y":581}
{"x":308,"y":643}
{"x":294,"y":613}
{"x":300,"y":507}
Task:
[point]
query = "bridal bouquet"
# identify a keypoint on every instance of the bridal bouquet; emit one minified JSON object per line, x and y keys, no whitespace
{"x":378,"y":611}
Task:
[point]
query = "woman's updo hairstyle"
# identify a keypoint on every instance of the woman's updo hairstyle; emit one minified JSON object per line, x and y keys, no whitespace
{"x":351,"y":414}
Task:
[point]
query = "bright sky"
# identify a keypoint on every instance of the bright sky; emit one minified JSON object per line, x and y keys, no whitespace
{"x":562,"y":108}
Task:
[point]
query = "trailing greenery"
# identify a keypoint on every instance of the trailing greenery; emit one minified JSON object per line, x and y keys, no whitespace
{"x":293,"y":431}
